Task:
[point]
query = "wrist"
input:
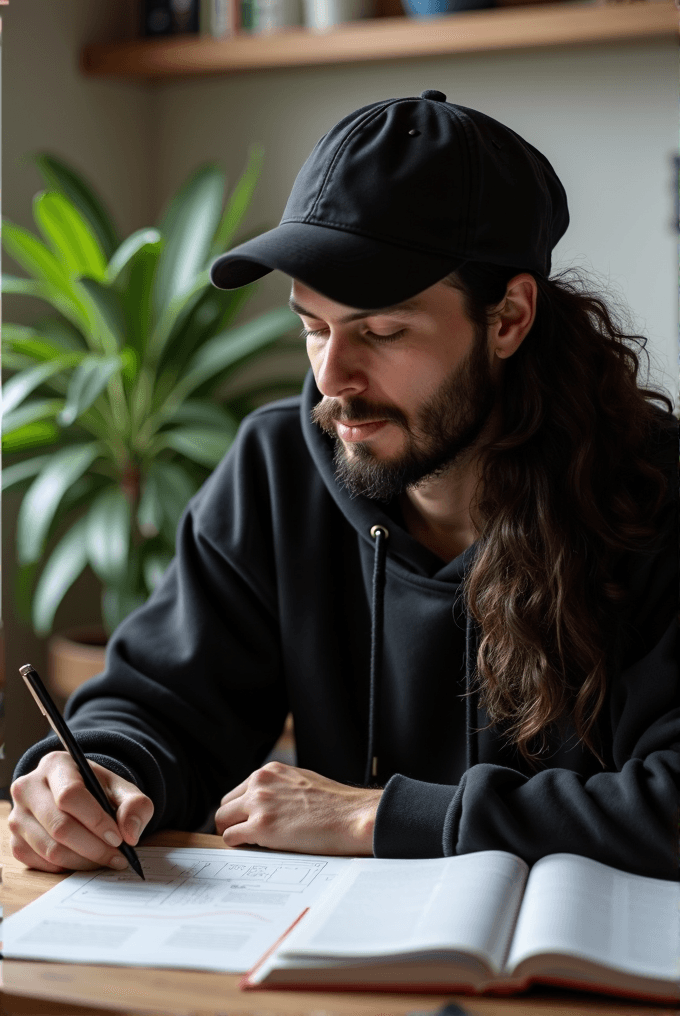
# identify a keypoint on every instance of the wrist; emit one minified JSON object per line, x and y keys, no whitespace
{"x":365,"y":820}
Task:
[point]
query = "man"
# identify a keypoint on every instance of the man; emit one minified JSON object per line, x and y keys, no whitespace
{"x":454,"y":558}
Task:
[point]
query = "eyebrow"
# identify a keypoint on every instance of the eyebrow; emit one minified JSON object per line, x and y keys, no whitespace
{"x":408,"y":307}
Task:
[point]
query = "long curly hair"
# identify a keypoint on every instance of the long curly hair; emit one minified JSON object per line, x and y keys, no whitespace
{"x":564,"y":490}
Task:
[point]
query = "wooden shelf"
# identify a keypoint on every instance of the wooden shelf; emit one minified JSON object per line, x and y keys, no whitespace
{"x":534,"y":26}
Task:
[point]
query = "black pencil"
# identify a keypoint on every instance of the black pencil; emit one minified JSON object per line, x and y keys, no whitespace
{"x":59,"y":726}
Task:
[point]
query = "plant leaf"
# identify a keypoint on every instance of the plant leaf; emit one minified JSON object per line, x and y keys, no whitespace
{"x":43,"y":432}
{"x":212,"y":313}
{"x":50,"y":338}
{"x":200,"y":444}
{"x":201,"y":413}
{"x":24,"y":585}
{"x":12,"y":284}
{"x":106,"y":315}
{"x":59,"y":176}
{"x":238,"y":202}
{"x":56,"y":285}
{"x":21,"y":471}
{"x":150,"y":508}
{"x":108,"y":535}
{"x":67,"y":561}
{"x":231,"y":347}
{"x":117,"y":603}
{"x":41,"y":500}
{"x":87,"y":382}
{"x":177,"y":309}
{"x":132,"y":245}
{"x":69,"y":234}
{"x":36,"y":348}
{"x":61,"y":333}
{"x":153,"y":567}
{"x":248,"y":399}
{"x":188,"y":228}
{"x":21,"y":385}
{"x":129,"y":363}
{"x":175,"y":489}
{"x":30,"y":412}
{"x":34,"y":256}
{"x":134,"y":286}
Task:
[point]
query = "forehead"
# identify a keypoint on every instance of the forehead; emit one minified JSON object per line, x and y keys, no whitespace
{"x":309,"y":303}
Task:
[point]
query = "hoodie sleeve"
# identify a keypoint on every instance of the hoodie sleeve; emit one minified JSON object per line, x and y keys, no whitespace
{"x":191,"y":700}
{"x":627,"y":816}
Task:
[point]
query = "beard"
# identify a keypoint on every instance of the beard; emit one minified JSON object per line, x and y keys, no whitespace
{"x":446,"y":426}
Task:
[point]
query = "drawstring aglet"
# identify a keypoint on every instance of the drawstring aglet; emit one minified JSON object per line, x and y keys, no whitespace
{"x":374,"y":767}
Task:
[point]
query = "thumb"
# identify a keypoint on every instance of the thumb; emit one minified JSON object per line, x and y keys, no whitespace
{"x":134,"y":809}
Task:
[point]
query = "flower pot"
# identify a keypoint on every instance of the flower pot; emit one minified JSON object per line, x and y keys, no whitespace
{"x":73,"y":657}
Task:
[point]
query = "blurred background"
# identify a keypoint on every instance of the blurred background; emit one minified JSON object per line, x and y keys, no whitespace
{"x":604,"y":113}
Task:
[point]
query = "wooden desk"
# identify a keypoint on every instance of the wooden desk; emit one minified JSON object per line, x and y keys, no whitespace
{"x":68,"y":989}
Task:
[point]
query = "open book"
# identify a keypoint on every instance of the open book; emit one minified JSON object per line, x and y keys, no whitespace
{"x":482,"y":923}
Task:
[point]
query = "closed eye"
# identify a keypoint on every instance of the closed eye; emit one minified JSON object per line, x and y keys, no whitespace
{"x":309,"y":334}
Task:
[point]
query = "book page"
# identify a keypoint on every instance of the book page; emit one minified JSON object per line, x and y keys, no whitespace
{"x":198,"y":908}
{"x":383,"y":907}
{"x":578,"y":906}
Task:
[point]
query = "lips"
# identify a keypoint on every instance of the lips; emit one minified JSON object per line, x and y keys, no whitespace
{"x":359,"y":431}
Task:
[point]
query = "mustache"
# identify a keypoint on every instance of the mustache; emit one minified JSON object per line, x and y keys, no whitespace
{"x":330,"y":411}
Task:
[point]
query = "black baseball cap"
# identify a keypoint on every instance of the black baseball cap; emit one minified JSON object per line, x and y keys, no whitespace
{"x":400,"y":193}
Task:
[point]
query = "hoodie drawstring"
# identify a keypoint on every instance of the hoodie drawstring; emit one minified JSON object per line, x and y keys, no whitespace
{"x":380,"y":534}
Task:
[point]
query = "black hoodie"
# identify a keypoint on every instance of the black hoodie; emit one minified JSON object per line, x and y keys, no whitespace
{"x":267,"y":607}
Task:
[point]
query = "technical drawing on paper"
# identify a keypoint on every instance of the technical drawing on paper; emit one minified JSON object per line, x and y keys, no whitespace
{"x":194,"y":880}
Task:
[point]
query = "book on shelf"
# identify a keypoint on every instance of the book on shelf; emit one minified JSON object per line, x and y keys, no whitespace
{"x":483,"y":923}
{"x":219,"y":18}
{"x":169,"y":17}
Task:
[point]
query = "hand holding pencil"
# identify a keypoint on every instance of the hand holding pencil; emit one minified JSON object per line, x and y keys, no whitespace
{"x":58,"y":824}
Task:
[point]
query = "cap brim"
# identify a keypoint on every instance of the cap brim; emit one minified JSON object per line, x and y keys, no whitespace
{"x":357,"y":271}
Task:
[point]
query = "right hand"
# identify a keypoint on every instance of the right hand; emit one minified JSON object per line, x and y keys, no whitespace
{"x":57,"y":825}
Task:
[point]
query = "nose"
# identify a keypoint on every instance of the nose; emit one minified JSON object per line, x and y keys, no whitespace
{"x":338,"y":365}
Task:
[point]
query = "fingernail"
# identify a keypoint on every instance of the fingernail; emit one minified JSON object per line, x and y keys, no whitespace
{"x":118,"y":862}
{"x":115,"y":839}
{"x":136,"y":826}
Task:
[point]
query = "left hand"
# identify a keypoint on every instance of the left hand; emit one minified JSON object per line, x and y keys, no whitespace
{"x":286,"y":808}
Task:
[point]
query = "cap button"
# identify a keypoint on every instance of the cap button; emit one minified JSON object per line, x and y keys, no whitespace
{"x":432,"y":93}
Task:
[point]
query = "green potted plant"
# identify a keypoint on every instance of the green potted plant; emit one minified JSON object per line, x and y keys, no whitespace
{"x":115,"y":408}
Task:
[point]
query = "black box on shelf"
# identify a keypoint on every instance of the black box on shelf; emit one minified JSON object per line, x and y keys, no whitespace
{"x":169,"y":17}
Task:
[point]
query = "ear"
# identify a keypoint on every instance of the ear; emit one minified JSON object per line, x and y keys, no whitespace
{"x":515,"y":316}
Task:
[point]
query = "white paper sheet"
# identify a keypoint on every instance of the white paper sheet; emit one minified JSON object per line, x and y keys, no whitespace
{"x":198,"y":909}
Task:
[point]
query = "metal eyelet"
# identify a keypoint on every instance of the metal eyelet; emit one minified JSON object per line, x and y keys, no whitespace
{"x":379,"y":529}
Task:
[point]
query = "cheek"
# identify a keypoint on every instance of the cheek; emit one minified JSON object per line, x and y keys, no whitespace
{"x":409,"y":376}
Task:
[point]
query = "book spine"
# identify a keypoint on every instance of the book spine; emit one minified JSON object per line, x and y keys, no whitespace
{"x":249,"y":979}
{"x":219,"y":18}
{"x":169,"y":17}
{"x":272,"y":15}
{"x":248,"y":15}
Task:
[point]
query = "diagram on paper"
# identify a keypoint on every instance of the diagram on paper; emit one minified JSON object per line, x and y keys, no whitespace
{"x":173,"y":885}
{"x":206,"y":909}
